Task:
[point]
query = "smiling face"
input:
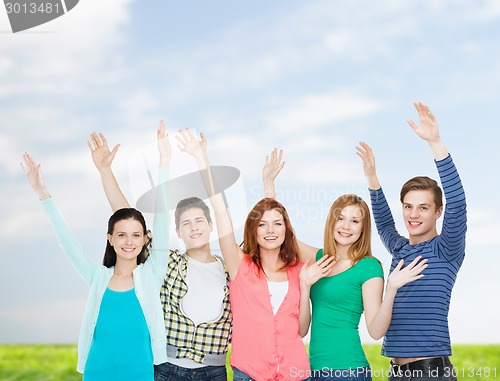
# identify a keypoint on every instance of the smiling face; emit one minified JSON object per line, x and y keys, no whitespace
{"x":127,"y":239}
{"x":271,"y":230}
{"x":349,"y":226}
{"x":420,"y":215}
{"x":194,"y":228}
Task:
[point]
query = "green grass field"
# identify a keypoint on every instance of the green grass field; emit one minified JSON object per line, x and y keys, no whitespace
{"x":58,"y":362}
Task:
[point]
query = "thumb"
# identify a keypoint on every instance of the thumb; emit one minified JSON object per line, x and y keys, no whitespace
{"x":114,"y":151}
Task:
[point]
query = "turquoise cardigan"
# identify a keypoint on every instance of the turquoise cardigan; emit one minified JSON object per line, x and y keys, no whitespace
{"x":148,"y":279}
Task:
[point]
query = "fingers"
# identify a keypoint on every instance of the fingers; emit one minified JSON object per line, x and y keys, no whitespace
{"x":161,"y":130}
{"x":96,"y":141}
{"x":30,"y":166}
{"x":325,"y":263}
{"x":424,"y":111}
{"x":415,"y":261}
{"x":412,"y":124}
{"x":399,"y":265}
{"x":416,"y":266}
{"x":185,"y":136}
{"x":103,"y":140}
{"x":364,"y":151}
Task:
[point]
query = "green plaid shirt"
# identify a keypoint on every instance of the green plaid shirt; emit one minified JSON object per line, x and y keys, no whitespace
{"x":193,"y":342}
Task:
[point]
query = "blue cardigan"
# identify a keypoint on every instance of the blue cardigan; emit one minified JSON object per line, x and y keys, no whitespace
{"x":148,"y":279}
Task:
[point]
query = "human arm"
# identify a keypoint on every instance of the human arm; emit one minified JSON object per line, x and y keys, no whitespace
{"x":451,"y":241}
{"x":197,"y":148}
{"x":271,"y":170}
{"x":428,"y":130}
{"x":67,"y":241}
{"x":378,"y":312}
{"x":365,"y":152}
{"x":161,"y":224}
{"x":103,"y":158}
{"x":310,"y":274}
{"x":384,"y":221}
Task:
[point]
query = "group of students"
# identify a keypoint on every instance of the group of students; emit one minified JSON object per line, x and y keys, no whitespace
{"x":156,"y":313}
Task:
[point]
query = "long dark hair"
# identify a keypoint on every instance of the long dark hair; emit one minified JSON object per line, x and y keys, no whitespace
{"x":124,"y":214}
{"x":289,"y":251}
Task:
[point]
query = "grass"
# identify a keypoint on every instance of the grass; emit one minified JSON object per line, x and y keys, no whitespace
{"x":58,"y":362}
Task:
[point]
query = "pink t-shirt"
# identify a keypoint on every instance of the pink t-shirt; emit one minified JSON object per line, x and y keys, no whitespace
{"x":266,"y":346}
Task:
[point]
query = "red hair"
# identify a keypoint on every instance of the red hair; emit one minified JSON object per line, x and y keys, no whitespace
{"x":289,"y":250}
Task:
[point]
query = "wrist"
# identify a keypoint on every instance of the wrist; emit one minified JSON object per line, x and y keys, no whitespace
{"x":43,"y":194}
{"x":164,"y":162}
{"x":104,"y":169}
{"x":391,"y":290}
{"x":305,"y":289}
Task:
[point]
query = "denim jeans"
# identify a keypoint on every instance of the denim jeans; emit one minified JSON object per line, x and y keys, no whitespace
{"x":238,"y":375}
{"x":351,"y":374}
{"x":171,"y":372}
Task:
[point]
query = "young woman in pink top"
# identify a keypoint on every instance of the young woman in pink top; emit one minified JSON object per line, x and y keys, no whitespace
{"x":270,"y":313}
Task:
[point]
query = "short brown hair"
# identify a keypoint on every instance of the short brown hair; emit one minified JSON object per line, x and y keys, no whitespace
{"x":423,"y":183}
{"x":191,"y":203}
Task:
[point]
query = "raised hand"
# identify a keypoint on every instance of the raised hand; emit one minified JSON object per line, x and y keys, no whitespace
{"x":164,"y":147}
{"x":365,"y":152}
{"x":401,"y":276}
{"x":34,"y":174}
{"x":311,"y":273}
{"x":190,"y":144}
{"x":101,"y":155}
{"x":273,"y":165}
{"x":428,"y":128}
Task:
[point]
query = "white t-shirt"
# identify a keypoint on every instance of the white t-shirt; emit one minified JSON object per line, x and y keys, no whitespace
{"x":277,"y":292}
{"x":204,"y":299}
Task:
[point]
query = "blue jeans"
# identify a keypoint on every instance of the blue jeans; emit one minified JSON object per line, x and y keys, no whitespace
{"x":171,"y":372}
{"x":238,"y":375}
{"x":351,"y":374}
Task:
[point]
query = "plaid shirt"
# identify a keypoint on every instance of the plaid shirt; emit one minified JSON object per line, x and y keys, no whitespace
{"x":193,"y":342}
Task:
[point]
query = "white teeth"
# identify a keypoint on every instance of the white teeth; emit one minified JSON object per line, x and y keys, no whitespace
{"x":345,"y":234}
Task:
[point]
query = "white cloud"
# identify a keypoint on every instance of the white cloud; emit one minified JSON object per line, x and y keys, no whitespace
{"x":316,"y":110}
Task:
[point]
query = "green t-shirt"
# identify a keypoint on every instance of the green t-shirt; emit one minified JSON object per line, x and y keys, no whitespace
{"x":337,"y":305}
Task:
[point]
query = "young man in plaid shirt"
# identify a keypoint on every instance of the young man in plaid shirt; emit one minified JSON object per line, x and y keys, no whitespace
{"x":195,"y":294}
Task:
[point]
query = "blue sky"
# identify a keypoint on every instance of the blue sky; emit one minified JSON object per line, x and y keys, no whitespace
{"x":312,"y":77}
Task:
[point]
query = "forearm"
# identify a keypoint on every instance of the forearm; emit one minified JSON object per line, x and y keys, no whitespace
{"x":379,"y":324}
{"x":67,"y":241}
{"x":304,"y":311}
{"x":161,"y":226}
{"x":373,"y":183}
{"x":211,"y":186}
{"x":438,"y":149}
{"x":115,"y":197}
{"x":269,"y":189}
{"x":43,"y":194}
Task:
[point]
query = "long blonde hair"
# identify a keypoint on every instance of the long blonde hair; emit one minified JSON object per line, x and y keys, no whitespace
{"x":362,"y":247}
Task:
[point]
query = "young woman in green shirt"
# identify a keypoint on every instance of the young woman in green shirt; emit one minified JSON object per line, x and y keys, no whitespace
{"x":353,"y":285}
